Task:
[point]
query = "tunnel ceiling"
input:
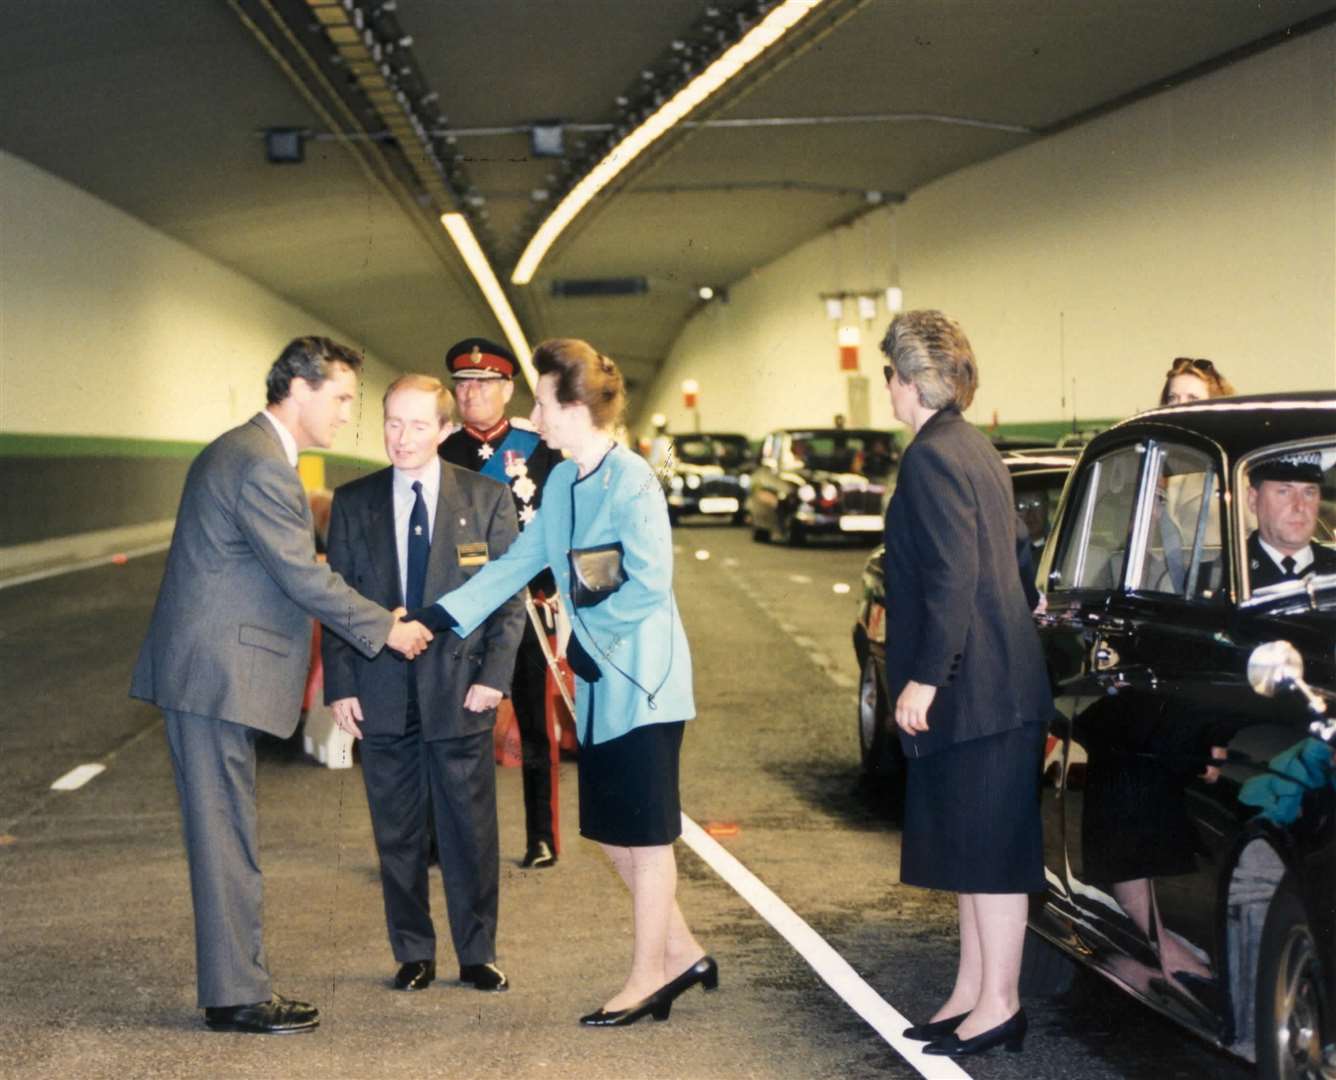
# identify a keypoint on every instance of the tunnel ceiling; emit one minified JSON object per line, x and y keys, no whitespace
{"x":157,"y":107}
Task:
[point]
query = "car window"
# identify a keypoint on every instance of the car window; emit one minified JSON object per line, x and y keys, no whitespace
{"x":1182,"y":553}
{"x":868,"y":454}
{"x":695,"y":451}
{"x":1316,"y":523}
{"x":1093,"y":546}
{"x":1037,"y":496}
{"x":731,"y":452}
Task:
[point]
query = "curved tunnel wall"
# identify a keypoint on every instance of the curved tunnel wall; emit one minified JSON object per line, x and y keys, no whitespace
{"x":1200,"y":222}
{"x":122,"y":352}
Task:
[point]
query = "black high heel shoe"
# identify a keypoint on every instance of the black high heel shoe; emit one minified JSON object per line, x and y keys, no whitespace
{"x":704,"y":971}
{"x":1010,"y":1033}
{"x":935,"y":1029}
{"x":656,"y":1005}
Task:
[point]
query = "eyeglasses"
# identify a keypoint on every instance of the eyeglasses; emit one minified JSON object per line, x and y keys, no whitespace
{"x":1183,"y":363}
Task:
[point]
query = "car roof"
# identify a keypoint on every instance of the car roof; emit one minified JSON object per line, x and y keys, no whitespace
{"x":1240,"y":425}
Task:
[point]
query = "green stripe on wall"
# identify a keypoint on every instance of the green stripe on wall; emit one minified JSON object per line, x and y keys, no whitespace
{"x":21,"y":444}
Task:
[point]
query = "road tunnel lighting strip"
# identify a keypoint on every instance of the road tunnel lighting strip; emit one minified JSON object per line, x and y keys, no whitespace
{"x":838,"y":974}
{"x":471,"y":252}
{"x":764,"y":34}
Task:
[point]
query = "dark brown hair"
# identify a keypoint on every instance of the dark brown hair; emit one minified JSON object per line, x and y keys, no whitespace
{"x":309,"y":358}
{"x":1216,"y":384}
{"x":584,"y":377}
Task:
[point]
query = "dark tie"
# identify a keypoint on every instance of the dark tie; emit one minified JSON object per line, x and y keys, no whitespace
{"x":419,"y":546}
{"x":1287,"y":564}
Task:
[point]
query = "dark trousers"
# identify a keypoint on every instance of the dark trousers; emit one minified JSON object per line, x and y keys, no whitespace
{"x":213,"y":763}
{"x":454,"y":781}
{"x":528,"y":695}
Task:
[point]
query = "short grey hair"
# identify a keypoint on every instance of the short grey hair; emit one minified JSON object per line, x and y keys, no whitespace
{"x":309,"y":359}
{"x":930,"y":351}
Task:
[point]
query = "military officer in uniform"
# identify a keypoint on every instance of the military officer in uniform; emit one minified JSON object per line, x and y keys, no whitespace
{"x":1285,"y":493}
{"x":488,"y":442}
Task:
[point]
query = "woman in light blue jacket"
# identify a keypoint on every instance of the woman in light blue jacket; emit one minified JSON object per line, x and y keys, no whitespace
{"x":603,"y":530}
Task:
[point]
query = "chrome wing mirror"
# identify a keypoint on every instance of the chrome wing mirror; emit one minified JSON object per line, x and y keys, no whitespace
{"x":1276,"y":667}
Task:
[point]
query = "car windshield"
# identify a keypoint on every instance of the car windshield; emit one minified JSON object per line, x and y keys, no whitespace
{"x":1289,"y":514}
{"x":726,"y":450}
{"x":868,"y":453}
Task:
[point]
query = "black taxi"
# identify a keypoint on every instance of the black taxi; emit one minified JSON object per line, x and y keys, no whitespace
{"x":1189,"y":821}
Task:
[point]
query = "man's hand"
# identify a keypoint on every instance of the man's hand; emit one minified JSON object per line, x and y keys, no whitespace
{"x":911,"y":708}
{"x":407,"y":638}
{"x":348,"y":714}
{"x":481,"y":698}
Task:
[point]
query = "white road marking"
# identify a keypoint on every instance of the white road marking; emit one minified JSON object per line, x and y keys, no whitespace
{"x":804,"y":642}
{"x":730,"y":562}
{"x":800,"y":579}
{"x":702,"y":555}
{"x":85,"y":564}
{"x":824,"y":960}
{"x":77,"y":777}
{"x":840,"y":587}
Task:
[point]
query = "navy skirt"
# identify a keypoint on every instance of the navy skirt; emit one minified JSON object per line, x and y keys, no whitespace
{"x":628,"y":787}
{"x":972,"y":820}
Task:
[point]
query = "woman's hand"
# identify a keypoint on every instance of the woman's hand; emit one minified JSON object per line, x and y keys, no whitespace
{"x":911,"y":707}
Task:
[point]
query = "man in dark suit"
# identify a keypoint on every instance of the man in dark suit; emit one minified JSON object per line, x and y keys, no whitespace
{"x":408,"y":534}
{"x":227,"y":654}
{"x":490,"y":443}
{"x":1285,"y":494}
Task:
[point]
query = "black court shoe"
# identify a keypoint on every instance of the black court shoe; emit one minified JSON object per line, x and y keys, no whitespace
{"x":277,"y":1016}
{"x":1010,"y":1033}
{"x":656,"y":1005}
{"x":704,"y":971}
{"x":935,"y":1029}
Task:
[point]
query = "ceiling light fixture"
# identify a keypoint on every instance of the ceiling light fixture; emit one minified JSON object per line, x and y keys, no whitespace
{"x":471,"y":252}
{"x":760,"y":37}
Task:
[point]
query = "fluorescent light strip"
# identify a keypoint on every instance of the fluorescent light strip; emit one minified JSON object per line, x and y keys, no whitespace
{"x":471,"y":251}
{"x":764,"y":34}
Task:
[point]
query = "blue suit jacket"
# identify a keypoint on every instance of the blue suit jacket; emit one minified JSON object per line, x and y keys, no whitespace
{"x":635,"y":635}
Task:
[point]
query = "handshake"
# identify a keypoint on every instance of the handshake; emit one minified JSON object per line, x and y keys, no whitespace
{"x":408,"y":639}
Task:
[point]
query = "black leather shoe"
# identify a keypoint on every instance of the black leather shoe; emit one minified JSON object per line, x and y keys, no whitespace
{"x":415,"y":975}
{"x":539,"y":856}
{"x":1010,"y":1033}
{"x":704,"y":971}
{"x":277,"y":1016}
{"x":656,"y":1005}
{"x":935,"y":1029}
{"x":484,"y":977}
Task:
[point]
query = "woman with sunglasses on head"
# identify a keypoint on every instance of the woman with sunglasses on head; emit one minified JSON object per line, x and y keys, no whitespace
{"x":1190,"y":379}
{"x":603,"y":530}
{"x":967,"y":674}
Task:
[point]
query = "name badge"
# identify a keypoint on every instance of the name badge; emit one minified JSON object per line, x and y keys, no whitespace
{"x":472,"y":554}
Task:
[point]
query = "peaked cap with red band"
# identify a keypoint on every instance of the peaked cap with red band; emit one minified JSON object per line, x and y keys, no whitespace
{"x":478,"y":358}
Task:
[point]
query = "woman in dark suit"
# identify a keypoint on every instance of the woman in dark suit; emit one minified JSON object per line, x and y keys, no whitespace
{"x":967,"y":676}
{"x":627,"y":648}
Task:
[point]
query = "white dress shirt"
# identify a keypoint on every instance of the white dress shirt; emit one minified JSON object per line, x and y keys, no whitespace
{"x":403,"y":510}
{"x":1302,"y":560}
{"x":285,"y":437}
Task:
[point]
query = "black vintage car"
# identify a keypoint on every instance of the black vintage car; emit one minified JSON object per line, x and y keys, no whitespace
{"x":1037,"y":477}
{"x":704,"y":474}
{"x":1189,"y":821}
{"x":812,"y":481}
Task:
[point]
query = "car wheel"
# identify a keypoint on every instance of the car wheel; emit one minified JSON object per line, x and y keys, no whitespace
{"x":1046,"y":970}
{"x":1289,"y":973}
{"x":791,"y":531}
{"x":872,"y":733}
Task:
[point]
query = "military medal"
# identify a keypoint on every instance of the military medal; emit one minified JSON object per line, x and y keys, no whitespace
{"x":485,"y":451}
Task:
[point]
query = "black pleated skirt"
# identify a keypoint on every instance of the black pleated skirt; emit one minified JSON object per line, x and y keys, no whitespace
{"x":628,"y":787}
{"x":972,"y":820}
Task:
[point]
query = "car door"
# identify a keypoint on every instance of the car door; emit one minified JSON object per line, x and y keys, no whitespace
{"x":1082,"y":569}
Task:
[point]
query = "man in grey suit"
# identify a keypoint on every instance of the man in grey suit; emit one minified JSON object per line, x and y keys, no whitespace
{"x":405,"y":535}
{"x":227,"y":654}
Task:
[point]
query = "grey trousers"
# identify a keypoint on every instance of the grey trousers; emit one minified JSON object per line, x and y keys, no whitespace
{"x":213,"y":762}
{"x":454,"y":779}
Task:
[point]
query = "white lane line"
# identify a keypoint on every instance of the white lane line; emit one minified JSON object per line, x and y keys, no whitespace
{"x":78,"y":776}
{"x":800,"y":579}
{"x":824,"y":960}
{"x":85,"y":564}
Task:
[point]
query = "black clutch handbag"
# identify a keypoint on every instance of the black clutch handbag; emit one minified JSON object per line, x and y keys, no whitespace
{"x":596,"y":573}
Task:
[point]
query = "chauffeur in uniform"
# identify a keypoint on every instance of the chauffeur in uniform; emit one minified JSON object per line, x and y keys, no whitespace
{"x":1284,"y":493}
{"x":484,"y":376}
{"x":426,"y":728}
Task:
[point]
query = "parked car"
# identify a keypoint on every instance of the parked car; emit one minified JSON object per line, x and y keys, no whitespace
{"x":704,"y":474}
{"x":1190,"y":822}
{"x":1037,"y":478}
{"x":830,"y":481}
